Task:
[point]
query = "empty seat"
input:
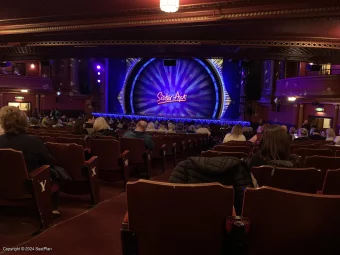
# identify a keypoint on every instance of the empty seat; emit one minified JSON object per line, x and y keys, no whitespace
{"x":322,"y":162}
{"x":224,"y":148}
{"x":79,"y":141}
{"x":18,"y":188}
{"x":176,"y":219}
{"x":83,"y":173}
{"x":110,"y":159}
{"x":224,"y":154}
{"x":159,"y":151}
{"x":306,"y":180}
{"x":139,"y":156}
{"x":331,"y":184}
{"x":305,"y":152}
{"x":285,"y":222}
{"x":170,"y":147}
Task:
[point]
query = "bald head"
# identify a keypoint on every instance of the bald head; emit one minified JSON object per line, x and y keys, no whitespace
{"x":284,"y":127}
{"x":141,"y":126}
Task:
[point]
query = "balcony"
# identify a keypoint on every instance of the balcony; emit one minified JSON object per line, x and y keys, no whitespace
{"x":16,"y":83}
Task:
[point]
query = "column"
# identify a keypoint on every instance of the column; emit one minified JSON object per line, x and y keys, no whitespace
{"x":300,"y":116}
{"x":336,"y":118}
{"x":42,"y":103}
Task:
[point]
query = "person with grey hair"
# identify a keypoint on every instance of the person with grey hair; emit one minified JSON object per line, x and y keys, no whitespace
{"x":202,"y":130}
{"x":140,"y":132}
{"x":302,"y":135}
{"x":171,"y":128}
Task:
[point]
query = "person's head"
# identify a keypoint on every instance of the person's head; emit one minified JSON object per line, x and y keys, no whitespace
{"x":292,"y":131}
{"x":150,"y":126}
{"x":192,"y":128}
{"x":78,"y":126}
{"x":275,"y":143}
{"x":285,"y":128}
{"x":330,"y":133}
{"x":162,"y":127}
{"x":13,"y":121}
{"x":305,"y":122}
{"x":141,"y":126}
{"x":303,"y":132}
{"x":100,"y":124}
{"x":237,"y":130}
{"x":171,"y":127}
{"x":34,"y":121}
{"x":89,"y":118}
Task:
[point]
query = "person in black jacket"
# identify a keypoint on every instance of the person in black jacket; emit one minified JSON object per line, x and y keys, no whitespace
{"x":15,"y":125}
{"x":140,"y":132}
{"x":228,"y":171}
{"x":316,"y":136}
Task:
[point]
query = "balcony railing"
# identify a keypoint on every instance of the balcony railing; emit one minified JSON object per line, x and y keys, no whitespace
{"x":323,"y":72}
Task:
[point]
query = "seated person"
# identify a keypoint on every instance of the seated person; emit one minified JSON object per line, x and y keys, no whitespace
{"x":292,"y":132}
{"x":274,"y":149}
{"x":162,"y":128}
{"x":15,"y":125}
{"x":150,"y":127}
{"x":191,"y":129}
{"x":260,"y":130}
{"x":34,"y":122}
{"x":1,"y":130}
{"x":171,"y":128}
{"x":316,"y":136}
{"x":140,"y":132}
{"x":330,"y":134}
{"x":302,"y":135}
{"x":78,"y":128}
{"x":89,"y":121}
{"x":102,"y":128}
{"x":235,"y":135}
{"x":202,"y":130}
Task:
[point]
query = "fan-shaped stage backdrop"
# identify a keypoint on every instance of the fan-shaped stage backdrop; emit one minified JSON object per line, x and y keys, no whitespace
{"x":192,"y":88}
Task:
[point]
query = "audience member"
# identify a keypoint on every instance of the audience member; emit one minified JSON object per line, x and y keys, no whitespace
{"x":191,"y":129}
{"x":162,"y":128}
{"x":140,"y":132}
{"x":202,"y":130}
{"x":305,"y":125}
{"x":89,"y":121}
{"x":316,"y":135}
{"x":330,"y":134}
{"x":302,"y":135}
{"x":15,"y":125}
{"x":150,"y":127}
{"x":235,"y":135}
{"x":285,"y":128}
{"x":292,"y":132}
{"x":102,"y":128}
{"x":337,"y":138}
{"x":274,"y":148}
{"x":34,"y":122}
{"x":260,"y":130}
{"x":171,"y":128}
{"x":78,"y":128}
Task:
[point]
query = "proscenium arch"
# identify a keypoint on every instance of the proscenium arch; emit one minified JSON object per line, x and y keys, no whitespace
{"x":137,"y":70}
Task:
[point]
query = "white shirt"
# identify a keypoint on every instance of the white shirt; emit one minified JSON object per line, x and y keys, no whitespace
{"x":203,"y":131}
{"x":230,"y":137}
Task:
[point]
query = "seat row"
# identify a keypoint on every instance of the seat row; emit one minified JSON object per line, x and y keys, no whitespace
{"x":182,"y":219}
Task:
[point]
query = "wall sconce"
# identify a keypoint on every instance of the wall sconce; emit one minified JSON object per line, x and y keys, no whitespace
{"x":32,"y":66}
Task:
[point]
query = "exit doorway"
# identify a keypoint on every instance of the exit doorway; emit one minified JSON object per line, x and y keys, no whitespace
{"x":320,"y":122}
{"x":23,"y":106}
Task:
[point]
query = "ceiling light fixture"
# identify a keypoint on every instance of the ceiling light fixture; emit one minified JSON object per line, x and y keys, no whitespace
{"x":32,"y":66}
{"x":291,"y":99}
{"x":169,"y":5}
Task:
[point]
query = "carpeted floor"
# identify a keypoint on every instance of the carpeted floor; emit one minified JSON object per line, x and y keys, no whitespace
{"x":77,"y":231}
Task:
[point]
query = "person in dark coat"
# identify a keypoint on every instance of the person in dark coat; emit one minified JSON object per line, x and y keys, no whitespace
{"x":140,"y":132}
{"x":36,"y":154}
{"x":316,"y":136}
{"x":228,"y":171}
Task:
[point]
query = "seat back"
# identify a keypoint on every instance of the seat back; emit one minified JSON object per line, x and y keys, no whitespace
{"x":224,"y":148}
{"x":211,"y":154}
{"x":238,"y":143}
{"x":78,"y":141}
{"x":13,"y":174}
{"x":331,"y":184}
{"x":136,"y":148}
{"x":285,"y":222}
{"x":307,"y":145}
{"x":108,"y":152}
{"x":69,"y":156}
{"x":188,"y":221}
{"x":306,"y":180}
{"x":158,"y":142}
{"x":322,"y":162}
{"x":333,"y":148}
{"x":304,"y":152}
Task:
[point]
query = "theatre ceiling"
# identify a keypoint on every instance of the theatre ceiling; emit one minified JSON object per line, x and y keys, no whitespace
{"x":238,"y":29}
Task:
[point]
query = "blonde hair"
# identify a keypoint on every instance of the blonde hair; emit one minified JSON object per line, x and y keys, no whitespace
{"x":237,"y":130}
{"x":13,"y":121}
{"x":100,"y":124}
{"x":171,"y":127}
{"x":330,"y":133}
{"x":150,"y":127}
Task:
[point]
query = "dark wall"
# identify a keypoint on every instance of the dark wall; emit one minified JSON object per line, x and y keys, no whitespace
{"x":116,"y":76}
{"x":232,"y":82}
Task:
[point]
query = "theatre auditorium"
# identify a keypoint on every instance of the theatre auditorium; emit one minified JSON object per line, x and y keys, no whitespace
{"x":170,"y":127}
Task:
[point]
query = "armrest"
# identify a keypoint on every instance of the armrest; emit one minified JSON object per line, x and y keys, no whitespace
{"x":238,"y":222}
{"x":39,"y":171}
{"x":124,"y":154}
{"x":91,"y":161}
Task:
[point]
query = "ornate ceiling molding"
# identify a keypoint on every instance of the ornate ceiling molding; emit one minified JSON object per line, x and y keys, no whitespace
{"x":214,"y":14}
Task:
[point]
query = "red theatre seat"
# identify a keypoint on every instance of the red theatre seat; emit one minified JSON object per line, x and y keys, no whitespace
{"x":331,"y":184}
{"x":110,"y":159}
{"x":284,"y":222}
{"x":306,"y":180}
{"x":18,"y":188}
{"x":159,"y":151}
{"x":79,"y":141}
{"x":176,"y":219}
{"x":138,"y":156}
{"x":211,"y":154}
{"x":305,"y":152}
{"x":224,"y":148}
{"x":83,"y":173}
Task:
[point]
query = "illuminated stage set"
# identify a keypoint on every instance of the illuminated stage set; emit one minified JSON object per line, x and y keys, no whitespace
{"x":188,"y":89}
